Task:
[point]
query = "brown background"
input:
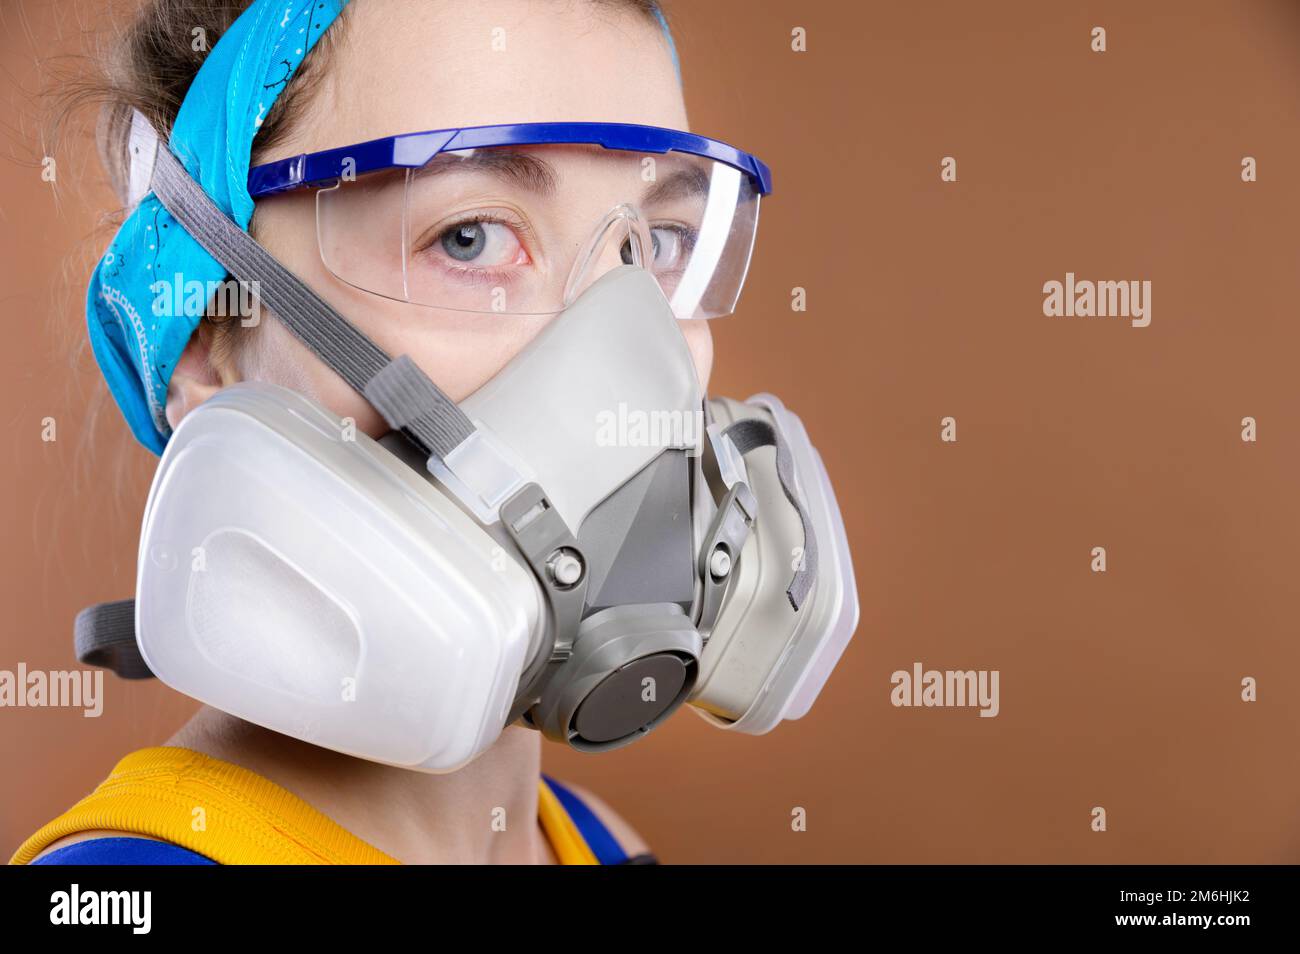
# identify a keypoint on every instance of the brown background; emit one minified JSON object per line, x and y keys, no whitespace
{"x":1120,"y":690}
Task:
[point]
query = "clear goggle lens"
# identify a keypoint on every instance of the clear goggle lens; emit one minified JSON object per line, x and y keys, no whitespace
{"x":523,"y":230}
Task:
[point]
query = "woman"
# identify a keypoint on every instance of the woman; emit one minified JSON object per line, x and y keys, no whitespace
{"x":566,"y":167}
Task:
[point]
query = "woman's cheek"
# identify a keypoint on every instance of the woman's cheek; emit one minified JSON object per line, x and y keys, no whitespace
{"x":278,"y":357}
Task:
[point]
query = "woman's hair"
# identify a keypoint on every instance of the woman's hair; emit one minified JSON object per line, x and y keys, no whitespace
{"x":150,"y":65}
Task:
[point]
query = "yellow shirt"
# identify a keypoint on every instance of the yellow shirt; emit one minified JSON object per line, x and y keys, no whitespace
{"x":235,"y":816}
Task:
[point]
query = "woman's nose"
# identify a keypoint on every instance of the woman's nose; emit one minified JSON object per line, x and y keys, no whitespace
{"x":621,"y":238}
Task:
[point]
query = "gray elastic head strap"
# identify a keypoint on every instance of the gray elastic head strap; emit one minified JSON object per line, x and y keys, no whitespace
{"x":753,"y":432}
{"x":403,"y":394}
{"x":104,"y":635}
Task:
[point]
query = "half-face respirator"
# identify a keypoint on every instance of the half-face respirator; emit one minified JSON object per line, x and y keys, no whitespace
{"x":583,"y":544}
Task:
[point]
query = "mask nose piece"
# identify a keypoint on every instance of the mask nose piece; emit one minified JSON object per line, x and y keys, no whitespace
{"x":621,"y":238}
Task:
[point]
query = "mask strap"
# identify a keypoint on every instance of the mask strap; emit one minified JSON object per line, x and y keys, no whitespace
{"x":398,"y":389}
{"x":753,"y":432}
{"x":104,"y":636}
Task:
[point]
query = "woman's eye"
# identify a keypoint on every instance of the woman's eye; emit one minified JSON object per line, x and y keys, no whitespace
{"x":482,"y":243}
{"x":668,"y":248}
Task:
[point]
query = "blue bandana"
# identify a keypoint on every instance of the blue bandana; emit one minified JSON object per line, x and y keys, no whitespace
{"x":136,"y":333}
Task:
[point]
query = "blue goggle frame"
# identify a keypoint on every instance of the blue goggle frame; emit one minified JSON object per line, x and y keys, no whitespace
{"x":414,"y":150}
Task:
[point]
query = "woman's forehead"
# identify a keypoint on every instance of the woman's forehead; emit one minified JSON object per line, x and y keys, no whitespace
{"x":404,"y":66}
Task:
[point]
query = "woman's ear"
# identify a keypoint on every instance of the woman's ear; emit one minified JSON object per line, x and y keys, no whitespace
{"x":199,"y":374}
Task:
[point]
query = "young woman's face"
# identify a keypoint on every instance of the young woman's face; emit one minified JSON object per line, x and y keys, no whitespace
{"x":407,"y":66}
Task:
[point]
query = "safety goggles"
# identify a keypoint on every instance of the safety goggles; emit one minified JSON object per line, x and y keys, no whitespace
{"x":520,"y":219}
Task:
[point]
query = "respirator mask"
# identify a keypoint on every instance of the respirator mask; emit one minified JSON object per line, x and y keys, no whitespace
{"x":582,"y":545}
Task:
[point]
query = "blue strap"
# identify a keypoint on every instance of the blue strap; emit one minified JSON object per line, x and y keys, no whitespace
{"x":123,"y":851}
{"x":598,"y":838}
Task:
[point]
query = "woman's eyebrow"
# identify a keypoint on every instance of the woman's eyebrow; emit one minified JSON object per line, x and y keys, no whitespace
{"x":539,"y":176}
{"x":519,"y":168}
{"x":684,"y":183}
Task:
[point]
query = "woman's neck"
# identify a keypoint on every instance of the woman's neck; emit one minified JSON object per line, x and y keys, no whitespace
{"x":485,"y":813}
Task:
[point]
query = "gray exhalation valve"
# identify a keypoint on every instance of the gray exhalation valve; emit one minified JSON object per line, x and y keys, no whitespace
{"x":594,"y":703}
